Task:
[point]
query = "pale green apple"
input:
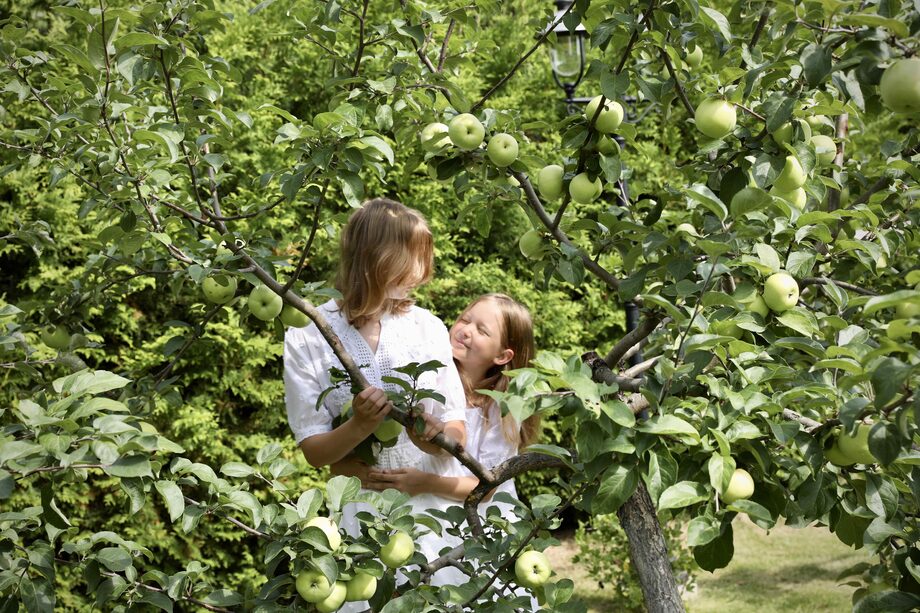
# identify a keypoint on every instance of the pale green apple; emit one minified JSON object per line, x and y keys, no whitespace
{"x":466,"y":131}
{"x":825,"y":149}
{"x":716,"y":117}
{"x":906,"y":310}
{"x":329,"y":528}
{"x":740,"y":487}
{"x":398,"y":550}
{"x":583,"y":190}
{"x":757,"y":305}
{"x":219,"y":288}
{"x":797,"y":197}
{"x":312,"y":585}
{"x":791,"y":177}
{"x":900,"y":86}
{"x":837,"y":457}
{"x":56,"y":337}
{"x":502,"y":150}
{"x":856,"y":447}
{"x":335,"y":599}
{"x":610,"y":117}
{"x":549,"y":181}
{"x":532,"y":569}
{"x":361,"y":587}
{"x":531,"y":244}
{"x":264,"y":303}
{"x":608,"y":146}
{"x":780,"y":292}
{"x":293,"y":318}
{"x":387,"y":430}
{"x":694,"y":57}
{"x":434,"y":137}
{"x":783,"y":134}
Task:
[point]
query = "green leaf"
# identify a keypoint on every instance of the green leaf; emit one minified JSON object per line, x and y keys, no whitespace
{"x":130,"y":466}
{"x":149,"y":136}
{"x":618,"y":413}
{"x":800,"y":320}
{"x":881,"y":496}
{"x":86,"y":382}
{"x":888,"y":380}
{"x":248,"y":502}
{"x":897,"y":27}
{"x":682,"y":494}
{"x":702,"y":194}
{"x":890,"y":601}
{"x":719,"y":20}
{"x":718,"y":552}
{"x":341,"y":490}
{"x":885,"y":442}
{"x":702,"y":530}
{"x":618,"y":485}
{"x":237,"y":469}
{"x":816,"y":62}
{"x":172,"y":496}
{"x":138,"y":39}
{"x":224,"y":598}
{"x":758,"y":513}
{"x":889,"y":301}
{"x":115,"y":559}
{"x":36,"y":595}
{"x":668,"y":424}
{"x":721,"y":469}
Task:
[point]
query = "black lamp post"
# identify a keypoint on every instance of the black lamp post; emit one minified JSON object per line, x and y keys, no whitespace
{"x":567,"y":59}
{"x":567,"y":55}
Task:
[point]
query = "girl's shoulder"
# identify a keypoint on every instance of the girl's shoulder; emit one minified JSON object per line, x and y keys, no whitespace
{"x":423,"y":318}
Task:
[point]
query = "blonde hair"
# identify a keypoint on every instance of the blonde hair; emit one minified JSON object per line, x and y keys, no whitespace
{"x":384,"y":245}
{"x":516,"y":334}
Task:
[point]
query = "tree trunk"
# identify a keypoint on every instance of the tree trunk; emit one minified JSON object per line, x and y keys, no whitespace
{"x":649,"y":553}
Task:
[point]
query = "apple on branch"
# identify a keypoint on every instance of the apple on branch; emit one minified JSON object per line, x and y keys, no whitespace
{"x":694,"y":57}
{"x":610,"y":117}
{"x":791,"y":177}
{"x":466,"y":132}
{"x":361,"y":587}
{"x":329,"y":528}
{"x":716,"y":117}
{"x":900,"y":86}
{"x":583,"y":190}
{"x":532,"y":569}
{"x":398,"y":550}
{"x":335,"y":599}
{"x":740,"y":487}
{"x":434,"y":137}
{"x":56,"y":337}
{"x":531,"y":244}
{"x":549,"y":181}
{"x":219,"y":288}
{"x":502,"y":150}
{"x":780,"y":292}
{"x":312,"y":585}
{"x":825,"y":149}
{"x":293,"y":318}
{"x":264,"y":303}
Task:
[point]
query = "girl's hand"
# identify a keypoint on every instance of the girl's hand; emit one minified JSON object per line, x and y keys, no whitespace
{"x":407,"y":480}
{"x":370,"y":406}
{"x":433,"y":427}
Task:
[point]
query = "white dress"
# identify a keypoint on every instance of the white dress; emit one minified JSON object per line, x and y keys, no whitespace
{"x":486,"y":440}
{"x":415,"y":336}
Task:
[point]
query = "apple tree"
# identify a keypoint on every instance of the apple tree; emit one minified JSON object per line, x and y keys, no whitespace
{"x":761,"y":212}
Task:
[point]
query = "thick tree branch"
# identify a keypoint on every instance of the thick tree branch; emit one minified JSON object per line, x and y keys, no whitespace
{"x":648,"y":325}
{"x":601,"y":373}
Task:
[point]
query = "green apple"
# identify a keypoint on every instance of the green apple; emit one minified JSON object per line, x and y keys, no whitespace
{"x":900,"y":86}
{"x":716,"y":117}
{"x":610,"y":117}
{"x":387,"y":430}
{"x":898,"y":329}
{"x":466,"y":131}
{"x":361,"y":587}
{"x":608,"y":146}
{"x":549,"y":181}
{"x":329,"y":529}
{"x":780,"y":292}
{"x":219,"y":289}
{"x":797,"y":197}
{"x":783,"y":134}
{"x":502,"y":150}
{"x":836,"y":457}
{"x":398,"y":550}
{"x":816,"y":122}
{"x":312,"y":585}
{"x":264,"y":303}
{"x":791,"y":177}
{"x":825,"y":149}
{"x":531,"y":244}
{"x":694,"y":57}
{"x":726,"y":328}
{"x":740,"y":487}
{"x":434,"y":137}
{"x":904,"y":310}
{"x":757,"y":305}
{"x":856,"y":447}
{"x":532,"y":569}
{"x":335,"y":599}
{"x":293,"y":318}
{"x":56,"y":337}
{"x":583,"y":190}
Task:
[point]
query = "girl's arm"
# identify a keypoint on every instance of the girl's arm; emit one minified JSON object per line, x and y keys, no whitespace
{"x":414,"y":482}
{"x":369,"y":409}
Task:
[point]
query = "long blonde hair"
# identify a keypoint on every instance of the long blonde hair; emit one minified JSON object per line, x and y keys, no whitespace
{"x":516,"y":334}
{"x":384,"y":245}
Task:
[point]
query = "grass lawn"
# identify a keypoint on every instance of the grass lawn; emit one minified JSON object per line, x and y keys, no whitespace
{"x":788,"y":571}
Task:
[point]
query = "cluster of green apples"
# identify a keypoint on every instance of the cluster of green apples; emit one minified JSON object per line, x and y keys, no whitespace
{"x":314,"y":587}
{"x":466,"y":132}
{"x":263,"y":303}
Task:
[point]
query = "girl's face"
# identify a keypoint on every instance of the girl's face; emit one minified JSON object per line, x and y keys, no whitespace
{"x":476,"y":339}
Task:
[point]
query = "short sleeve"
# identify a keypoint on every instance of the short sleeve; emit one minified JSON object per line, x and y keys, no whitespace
{"x":448,"y":381}
{"x":303,"y":383}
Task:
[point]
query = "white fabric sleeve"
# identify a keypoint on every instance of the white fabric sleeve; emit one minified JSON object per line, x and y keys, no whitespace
{"x":448,"y":381}
{"x":303,"y":384}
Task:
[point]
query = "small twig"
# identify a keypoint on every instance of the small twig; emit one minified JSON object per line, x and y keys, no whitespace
{"x":750,"y":112}
{"x":199,"y":330}
{"x":680,"y":88}
{"x":443,"y":56}
{"x":309,"y":244}
{"x":848,"y":286}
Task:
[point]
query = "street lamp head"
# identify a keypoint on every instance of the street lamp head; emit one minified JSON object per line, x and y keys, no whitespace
{"x":567,"y":55}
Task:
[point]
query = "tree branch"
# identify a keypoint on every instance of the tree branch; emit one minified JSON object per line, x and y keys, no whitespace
{"x":630,"y":339}
{"x":534,"y":201}
{"x":826,"y":281}
{"x":309,"y":244}
{"x":680,"y":88}
{"x":443,"y":55}
{"x":842,"y":124}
